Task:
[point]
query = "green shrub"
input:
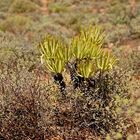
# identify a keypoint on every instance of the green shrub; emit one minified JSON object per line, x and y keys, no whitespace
{"x":135,"y":28}
{"x":58,"y":7}
{"x":5,"y":4}
{"x":23,"y":6}
{"x":131,"y":62}
{"x":38,"y":2}
{"x":16,"y":24}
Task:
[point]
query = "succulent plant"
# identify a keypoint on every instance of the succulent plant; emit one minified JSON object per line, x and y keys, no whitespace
{"x":88,"y":43}
{"x":84,"y":57}
{"x":54,"y":58}
{"x":53,"y":55}
{"x":106,"y":61}
{"x":86,"y":68}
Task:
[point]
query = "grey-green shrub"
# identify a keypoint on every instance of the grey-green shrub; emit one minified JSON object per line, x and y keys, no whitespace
{"x":23,"y":6}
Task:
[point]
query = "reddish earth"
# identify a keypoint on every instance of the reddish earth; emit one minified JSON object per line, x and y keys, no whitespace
{"x":133,"y":44}
{"x":44,"y":7}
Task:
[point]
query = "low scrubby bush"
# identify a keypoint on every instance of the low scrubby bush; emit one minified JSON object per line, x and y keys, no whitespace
{"x":131,"y":61}
{"x":20,"y":92}
{"x":16,"y":24}
{"x":23,"y":6}
{"x":5,"y":4}
{"x":57,"y":7}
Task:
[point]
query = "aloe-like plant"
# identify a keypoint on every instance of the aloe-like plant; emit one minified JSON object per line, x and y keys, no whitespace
{"x":86,"y":68}
{"x":84,"y":58}
{"x":88,"y":43}
{"x":93,"y":35}
{"x":53,"y":55}
{"x":54,"y":58}
{"x":106,"y":61}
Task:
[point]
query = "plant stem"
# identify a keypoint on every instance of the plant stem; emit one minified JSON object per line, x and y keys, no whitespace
{"x":58,"y":78}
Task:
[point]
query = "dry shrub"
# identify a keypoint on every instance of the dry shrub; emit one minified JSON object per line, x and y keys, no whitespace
{"x":32,"y":108}
{"x":80,"y":116}
{"x":20,"y":91}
